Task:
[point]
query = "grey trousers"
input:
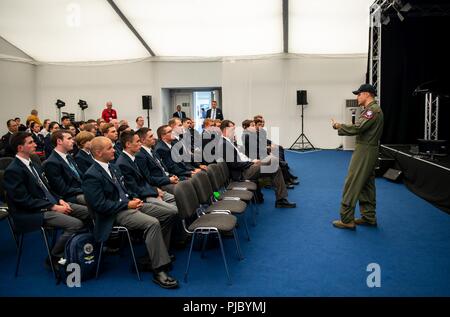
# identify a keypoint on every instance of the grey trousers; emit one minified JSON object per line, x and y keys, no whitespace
{"x":156,"y":223}
{"x":274,"y":172}
{"x":169,"y":188}
{"x":78,"y":199}
{"x":70,"y":223}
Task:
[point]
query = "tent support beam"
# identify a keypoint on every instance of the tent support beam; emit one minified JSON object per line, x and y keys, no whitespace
{"x":285,"y":4}
{"x":130,"y":26}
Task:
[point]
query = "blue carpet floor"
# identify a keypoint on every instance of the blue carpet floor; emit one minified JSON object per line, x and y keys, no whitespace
{"x":293,"y":252}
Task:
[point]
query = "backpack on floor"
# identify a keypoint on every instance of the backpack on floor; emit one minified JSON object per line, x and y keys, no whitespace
{"x":82,"y":249}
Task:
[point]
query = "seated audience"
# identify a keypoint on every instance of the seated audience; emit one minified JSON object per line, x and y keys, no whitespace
{"x":33,"y":202}
{"x":84,"y":158}
{"x":153,"y":169}
{"x":62,"y":171}
{"x":241,"y":167}
{"x":111,"y":203}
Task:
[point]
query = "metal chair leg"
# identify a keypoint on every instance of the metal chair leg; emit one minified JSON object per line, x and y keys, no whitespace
{"x":133,"y":256}
{"x":254,"y":212}
{"x":19,"y":254}
{"x":121,"y":243}
{"x":44,"y":234}
{"x":12,"y":231}
{"x":54,"y":236}
{"x":189,"y":258}
{"x":205,"y":240}
{"x":224,"y":259}
{"x":246,"y":227}
{"x":238,"y":246}
{"x":99,"y":260}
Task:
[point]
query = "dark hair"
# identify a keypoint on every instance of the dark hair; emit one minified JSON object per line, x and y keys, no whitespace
{"x":58,"y":135}
{"x":161,"y":129}
{"x":139,"y":117}
{"x":16,"y":118}
{"x":32,"y":124}
{"x":106,"y":127}
{"x":89,"y":126}
{"x":17,"y":139}
{"x":64,"y":118}
{"x":257,"y":121}
{"x":52,"y":125}
{"x":258,"y":116}
{"x":122,"y":128}
{"x":246,"y":123}
{"x":185,"y":119}
{"x":91,"y":121}
{"x":8,"y":122}
{"x":142,"y":132}
{"x":126,"y":136}
{"x":225,"y":124}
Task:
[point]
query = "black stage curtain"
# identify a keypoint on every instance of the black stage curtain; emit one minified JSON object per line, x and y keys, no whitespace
{"x":413,"y":52}
{"x":429,"y":181}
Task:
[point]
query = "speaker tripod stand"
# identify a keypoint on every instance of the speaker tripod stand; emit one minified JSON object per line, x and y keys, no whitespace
{"x":302,"y":143}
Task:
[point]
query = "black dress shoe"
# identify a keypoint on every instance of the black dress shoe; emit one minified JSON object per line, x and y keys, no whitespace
{"x":110,"y":250}
{"x":179,"y":245}
{"x":173,"y":258}
{"x":284,"y":203}
{"x":294,"y":182}
{"x":164,"y":280}
{"x":290,"y":186}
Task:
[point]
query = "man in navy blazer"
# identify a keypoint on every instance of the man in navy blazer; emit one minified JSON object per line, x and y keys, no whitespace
{"x":61,"y":169}
{"x":107,"y":196}
{"x":84,"y":158}
{"x":163,"y":150}
{"x":214,"y":112}
{"x":110,"y":131}
{"x":179,"y":114}
{"x":151,"y":166}
{"x":135,"y":181}
{"x":181,"y":142}
{"x":30,"y":200}
{"x":48,"y":146}
{"x":242,"y":167}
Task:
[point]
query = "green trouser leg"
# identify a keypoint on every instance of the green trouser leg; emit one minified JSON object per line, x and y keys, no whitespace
{"x":360,"y":170}
{"x":367,"y":200}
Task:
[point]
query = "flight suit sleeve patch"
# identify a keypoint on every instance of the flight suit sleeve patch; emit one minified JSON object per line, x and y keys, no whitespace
{"x":369,"y":114}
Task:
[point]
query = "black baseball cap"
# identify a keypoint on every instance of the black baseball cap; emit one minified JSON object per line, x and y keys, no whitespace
{"x":366,"y":88}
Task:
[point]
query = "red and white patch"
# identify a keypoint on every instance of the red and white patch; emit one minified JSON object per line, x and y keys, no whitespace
{"x":368,"y":115}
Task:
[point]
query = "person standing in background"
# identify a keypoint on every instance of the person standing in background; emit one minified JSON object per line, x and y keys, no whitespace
{"x":139,"y":123}
{"x":214,"y":112}
{"x":34,"y":117}
{"x":179,"y":114}
{"x":109,"y":113}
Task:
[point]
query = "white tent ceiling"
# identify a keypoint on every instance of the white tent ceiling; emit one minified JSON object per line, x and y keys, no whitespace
{"x":91,"y":30}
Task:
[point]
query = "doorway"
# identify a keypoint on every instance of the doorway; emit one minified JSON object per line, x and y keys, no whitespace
{"x":194,"y":102}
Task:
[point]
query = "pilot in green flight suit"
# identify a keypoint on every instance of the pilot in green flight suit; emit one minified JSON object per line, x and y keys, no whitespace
{"x":360,"y":182}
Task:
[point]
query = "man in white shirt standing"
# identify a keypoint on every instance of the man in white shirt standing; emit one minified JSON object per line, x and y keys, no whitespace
{"x":139,"y":123}
{"x":214,"y":112}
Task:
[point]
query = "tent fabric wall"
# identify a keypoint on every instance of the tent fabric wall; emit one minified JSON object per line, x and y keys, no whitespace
{"x":17,"y":85}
